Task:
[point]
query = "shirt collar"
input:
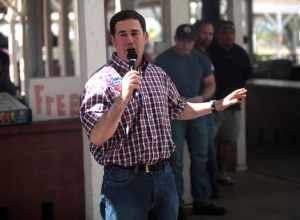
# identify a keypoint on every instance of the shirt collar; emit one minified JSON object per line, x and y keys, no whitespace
{"x":122,"y":66}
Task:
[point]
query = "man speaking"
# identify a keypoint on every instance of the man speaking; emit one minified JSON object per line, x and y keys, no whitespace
{"x":131,"y":136}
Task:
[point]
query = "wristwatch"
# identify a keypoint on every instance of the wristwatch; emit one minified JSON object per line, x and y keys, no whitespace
{"x":213,"y":106}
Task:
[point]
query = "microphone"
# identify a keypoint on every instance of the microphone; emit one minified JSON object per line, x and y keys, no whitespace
{"x":132,"y":56}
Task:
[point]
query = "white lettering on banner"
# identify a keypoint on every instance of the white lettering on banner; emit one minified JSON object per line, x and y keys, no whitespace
{"x":54,"y":98}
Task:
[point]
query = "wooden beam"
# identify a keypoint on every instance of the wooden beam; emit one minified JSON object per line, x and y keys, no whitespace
{"x":8,"y":4}
{"x":47,"y":38}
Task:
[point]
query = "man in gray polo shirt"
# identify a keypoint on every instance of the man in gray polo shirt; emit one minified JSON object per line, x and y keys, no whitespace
{"x":192,"y":75}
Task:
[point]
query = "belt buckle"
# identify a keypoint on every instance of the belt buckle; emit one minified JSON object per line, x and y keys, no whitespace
{"x":147,"y":170}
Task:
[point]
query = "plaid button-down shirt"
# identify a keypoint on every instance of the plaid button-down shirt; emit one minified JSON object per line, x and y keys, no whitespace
{"x":143,"y":135}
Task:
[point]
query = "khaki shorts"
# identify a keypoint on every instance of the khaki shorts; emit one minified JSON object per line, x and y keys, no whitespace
{"x":228,"y":124}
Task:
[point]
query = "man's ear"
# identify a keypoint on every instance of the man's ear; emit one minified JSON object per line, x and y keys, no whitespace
{"x":146,"y":37}
{"x":175,"y":39}
{"x":112,"y":38}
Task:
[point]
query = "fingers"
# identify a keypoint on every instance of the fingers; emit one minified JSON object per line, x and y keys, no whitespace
{"x":134,"y":79}
{"x":235,"y":97}
{"x":130,"y":82}
{"x":242,"y":93}
{"x":238,"y":94}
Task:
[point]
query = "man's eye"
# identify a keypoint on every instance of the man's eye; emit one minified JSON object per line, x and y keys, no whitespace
{"x":134,"y":33}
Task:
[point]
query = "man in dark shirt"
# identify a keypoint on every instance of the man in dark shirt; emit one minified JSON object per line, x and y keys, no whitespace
{"x":232,"y":70}
{"x":205,"y":33}
{"x":5,"y":83}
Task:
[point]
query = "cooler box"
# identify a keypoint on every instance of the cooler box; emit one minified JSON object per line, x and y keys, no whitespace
{"x":12,"y":111}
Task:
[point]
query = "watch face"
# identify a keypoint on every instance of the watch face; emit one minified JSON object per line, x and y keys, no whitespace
{"x":213,"y":106}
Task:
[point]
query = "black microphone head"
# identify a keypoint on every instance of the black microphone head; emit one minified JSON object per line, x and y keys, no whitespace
{"x":131,"y":54}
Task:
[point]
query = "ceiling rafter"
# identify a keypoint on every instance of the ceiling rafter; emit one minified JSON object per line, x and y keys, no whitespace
{"x":9,"y":4}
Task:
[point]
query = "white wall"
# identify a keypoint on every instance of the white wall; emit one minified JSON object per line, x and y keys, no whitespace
{"x":238,"y":14}
{"x":92,"y":54}
{"x":179,"y":12}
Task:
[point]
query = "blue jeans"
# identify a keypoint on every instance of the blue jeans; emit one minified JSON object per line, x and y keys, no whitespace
{"x":195,"y":132}
{"x":212,"y":165}
{"x":127,"y":195}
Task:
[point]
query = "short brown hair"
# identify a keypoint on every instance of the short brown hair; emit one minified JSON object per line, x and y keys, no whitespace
{"x":125,"y":15}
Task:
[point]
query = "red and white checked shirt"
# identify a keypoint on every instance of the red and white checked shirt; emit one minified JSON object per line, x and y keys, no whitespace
{"x":144,"y":132}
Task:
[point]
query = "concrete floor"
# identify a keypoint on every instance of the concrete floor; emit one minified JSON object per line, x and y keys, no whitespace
{"x":258,"y":196}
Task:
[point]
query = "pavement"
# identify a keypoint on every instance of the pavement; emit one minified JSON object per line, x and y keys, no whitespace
{"x":257,"y":196}
{"x":268,"y":190}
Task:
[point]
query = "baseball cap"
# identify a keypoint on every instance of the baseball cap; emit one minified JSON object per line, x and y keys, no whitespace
{"x":185,"y":32}
{"x":226,"y":26}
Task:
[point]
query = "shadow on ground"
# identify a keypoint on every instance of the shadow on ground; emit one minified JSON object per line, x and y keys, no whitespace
{"x":257,"y":196}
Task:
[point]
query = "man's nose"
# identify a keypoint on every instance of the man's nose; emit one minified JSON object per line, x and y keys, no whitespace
{"x":186,"y":45}
{"x":129,"y":38}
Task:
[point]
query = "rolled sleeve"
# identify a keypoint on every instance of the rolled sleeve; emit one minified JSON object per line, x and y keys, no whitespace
{"x":95,"y":101}
{"x":98,"y":95}
{"x":91,"y":110}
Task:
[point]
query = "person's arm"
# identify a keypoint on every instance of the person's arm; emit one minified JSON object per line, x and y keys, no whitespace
{"x":195,"y":110}
{"x":106,"y":126}
{"x":209,"y":85}
{"x":108,"y":123}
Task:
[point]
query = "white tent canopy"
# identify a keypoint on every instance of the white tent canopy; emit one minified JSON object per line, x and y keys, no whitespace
{"x":276,"y":6}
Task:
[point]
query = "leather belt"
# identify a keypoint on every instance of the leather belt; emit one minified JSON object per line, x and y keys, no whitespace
{"x":145,"y":168}
{"x":149,"y":168}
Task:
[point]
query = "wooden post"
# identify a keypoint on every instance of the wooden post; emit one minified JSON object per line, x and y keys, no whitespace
{"x":92,"y":53}
{"x":47,"y":38}
{"x":64,"y":41}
